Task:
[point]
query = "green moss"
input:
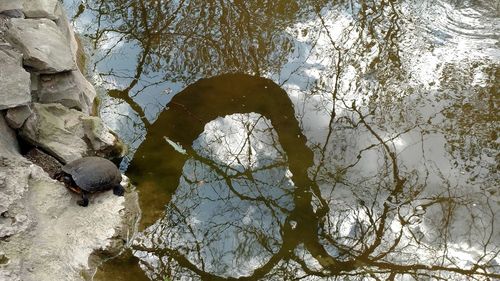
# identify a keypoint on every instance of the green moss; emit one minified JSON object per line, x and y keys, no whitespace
{"x":95,"y":106}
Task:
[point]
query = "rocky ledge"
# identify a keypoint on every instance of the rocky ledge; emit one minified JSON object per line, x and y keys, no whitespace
{"x":45,"y":114}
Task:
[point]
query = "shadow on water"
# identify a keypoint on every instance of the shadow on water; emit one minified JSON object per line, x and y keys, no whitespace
{"x":183,"y":122}
{"x":185,"y":119}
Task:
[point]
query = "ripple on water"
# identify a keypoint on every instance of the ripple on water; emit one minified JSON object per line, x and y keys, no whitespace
{"x":448,"y":22}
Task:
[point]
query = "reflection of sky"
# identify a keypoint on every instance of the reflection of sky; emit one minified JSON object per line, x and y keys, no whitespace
{"x":241,"y":141}
{"x":229,"y":221}
{"x":417,"y":150}
{"x":434,"y":35}
{"x":122,"y":61}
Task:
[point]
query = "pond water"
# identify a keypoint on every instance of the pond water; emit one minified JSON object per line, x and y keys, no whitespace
{"x":311,"y":140}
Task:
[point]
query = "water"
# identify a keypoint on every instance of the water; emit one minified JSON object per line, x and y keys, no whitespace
{"x":314,"y":140}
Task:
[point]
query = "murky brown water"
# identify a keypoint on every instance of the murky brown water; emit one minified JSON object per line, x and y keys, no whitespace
{"x":326,"y":140}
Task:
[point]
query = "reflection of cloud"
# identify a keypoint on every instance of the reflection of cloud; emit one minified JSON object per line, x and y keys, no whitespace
{"x":112,"y":41}
{"x":107,"y":82}
{"x":239,"y":141}
{"x":398,"y":142}
{"x":227,"y":212}
{"x":464,"y":34}
{"x":248,"y":218}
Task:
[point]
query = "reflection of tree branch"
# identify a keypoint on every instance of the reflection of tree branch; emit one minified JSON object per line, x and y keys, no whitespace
{"x":161,"y":29}
{"x":416,"y":267}
{"x":124,"y":95}
{"x":397,"y":189}
{"x":228,"y":179}
{"x":181,"y":260}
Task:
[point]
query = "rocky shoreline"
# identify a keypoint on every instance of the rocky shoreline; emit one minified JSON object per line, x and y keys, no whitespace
{"x":46,"y":107}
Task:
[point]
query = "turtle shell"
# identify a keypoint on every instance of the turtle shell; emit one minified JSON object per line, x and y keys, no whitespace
{"x":93,"y":174}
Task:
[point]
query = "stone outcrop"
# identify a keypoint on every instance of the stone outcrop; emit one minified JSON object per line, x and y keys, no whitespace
{"x":46,"y":100}
{"x":68,"y":134}
{"x":43,"y":45}
{"x":40,"y":9}
{"x":67,"y":30}
{"x":13,"y":14}
{"x":8,"y":140}
{"x":16,"y":116}
{"x":49,"y":236}
{"x":8,"y":5}
{"x":15,"y":81}
{"x":70,"y":89}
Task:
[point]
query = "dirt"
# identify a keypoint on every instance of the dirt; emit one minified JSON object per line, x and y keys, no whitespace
{"x":48,"y":163}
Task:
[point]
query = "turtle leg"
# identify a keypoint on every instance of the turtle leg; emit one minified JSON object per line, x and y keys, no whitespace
{"x":118,"y":190}
{"x":85,"y":200}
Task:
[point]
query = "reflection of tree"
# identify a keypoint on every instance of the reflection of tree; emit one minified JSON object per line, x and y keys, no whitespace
{"x":344,"y":219}
{"x":473,"y":117}
{"x":189,"y":39}
{"x":208,"y":233}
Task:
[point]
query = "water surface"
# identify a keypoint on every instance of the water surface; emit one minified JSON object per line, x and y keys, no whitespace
{"x":311,"y":140}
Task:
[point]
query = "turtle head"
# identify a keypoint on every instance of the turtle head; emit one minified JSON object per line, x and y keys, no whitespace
{"x":118,"y":190}
{"x":63,"y":177}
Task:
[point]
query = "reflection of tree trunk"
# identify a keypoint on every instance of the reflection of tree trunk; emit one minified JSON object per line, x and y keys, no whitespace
{"x":124,"y":96}
{"x":208,"y":99}
{"x":308,"y":229}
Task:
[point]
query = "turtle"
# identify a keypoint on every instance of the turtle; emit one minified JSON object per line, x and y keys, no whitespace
{"x":90,"y":175}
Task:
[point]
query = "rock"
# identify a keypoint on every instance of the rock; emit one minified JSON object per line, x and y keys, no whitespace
{"x":70,"y":89}
{"x":43,"y":45}
{"x":101,"y":138}
{"x":13,"y":13}
{"x":14,"y":80}
{"x":14,"y":220}
{"x":40,"y":9}
{"x":68,"y":134}
{"x":44,"y":234}
{"x":35,"y":85}
{"x":8,"y":140}
{"x":6,"y":5}
{"x":50,"y":237}
{"x":66,"y":28}
{"x":3,"y":26}
{"x":14,"y":173}
{"x":16,"y":116}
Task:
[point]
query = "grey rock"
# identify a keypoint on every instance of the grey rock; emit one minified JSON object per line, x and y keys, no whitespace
{"x":8,"y":140}
{"x":13,"y":13}
{"x":14,"y":80}
{"x":14,"y":172}
{"x":68,"y":134}
{"x":67,"y":29}
{"x":50,"y":237}
{"x":6,"y":5}
{"x":35,"y":85}
{"x":16,"y":116}
{"x":70,"y":89}
{"x":3,"y":26}
{"x":44,"y":234}
{"x":40,"y":9}
{"x":43,"y":45}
